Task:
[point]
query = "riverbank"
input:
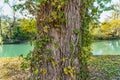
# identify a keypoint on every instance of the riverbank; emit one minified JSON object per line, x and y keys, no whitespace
{"x":111,"y":38}
{"x":15,"y":41}
{"x":100,"y":67}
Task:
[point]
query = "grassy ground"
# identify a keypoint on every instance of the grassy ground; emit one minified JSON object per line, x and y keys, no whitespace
{"x":100,"y":67}
{"x":105,"y":67}
{"x":10,"y":69}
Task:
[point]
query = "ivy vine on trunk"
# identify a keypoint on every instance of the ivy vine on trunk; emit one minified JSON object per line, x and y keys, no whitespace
{"x":61,"y":51}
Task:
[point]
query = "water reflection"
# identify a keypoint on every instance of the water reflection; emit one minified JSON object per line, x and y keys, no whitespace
{"x":0,"y":48}
{"x":111,"y":47}
{"x":14,"y":50}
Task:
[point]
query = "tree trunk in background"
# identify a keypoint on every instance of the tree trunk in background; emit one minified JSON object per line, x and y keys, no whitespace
{"x":12,"y":25}
{"x":63,"y":59}
{"x":0,"y":28}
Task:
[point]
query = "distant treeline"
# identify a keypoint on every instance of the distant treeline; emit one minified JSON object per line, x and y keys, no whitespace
{"x":107,"y":30}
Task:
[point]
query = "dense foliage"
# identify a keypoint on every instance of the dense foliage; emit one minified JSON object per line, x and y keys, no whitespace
{"x":107,"y":30}
{"x":23,"y":29}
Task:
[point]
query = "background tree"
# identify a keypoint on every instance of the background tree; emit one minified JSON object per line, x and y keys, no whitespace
{"x":108,"y":30}
{"x":1,"y":21}
{"x":25,"y":30}
{"x":0,"y":27}
{"x":12,"y":5}
{"x":116,"y":11}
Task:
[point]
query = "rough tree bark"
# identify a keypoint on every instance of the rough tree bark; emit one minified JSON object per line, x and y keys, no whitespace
{"x":64,"y":47}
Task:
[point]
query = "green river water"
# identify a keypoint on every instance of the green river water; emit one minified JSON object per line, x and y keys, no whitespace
{"x":106,"y":47}
{"x":15,"y":50}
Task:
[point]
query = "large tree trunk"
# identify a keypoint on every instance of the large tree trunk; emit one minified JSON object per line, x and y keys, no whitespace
{"x":61,"y":61}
